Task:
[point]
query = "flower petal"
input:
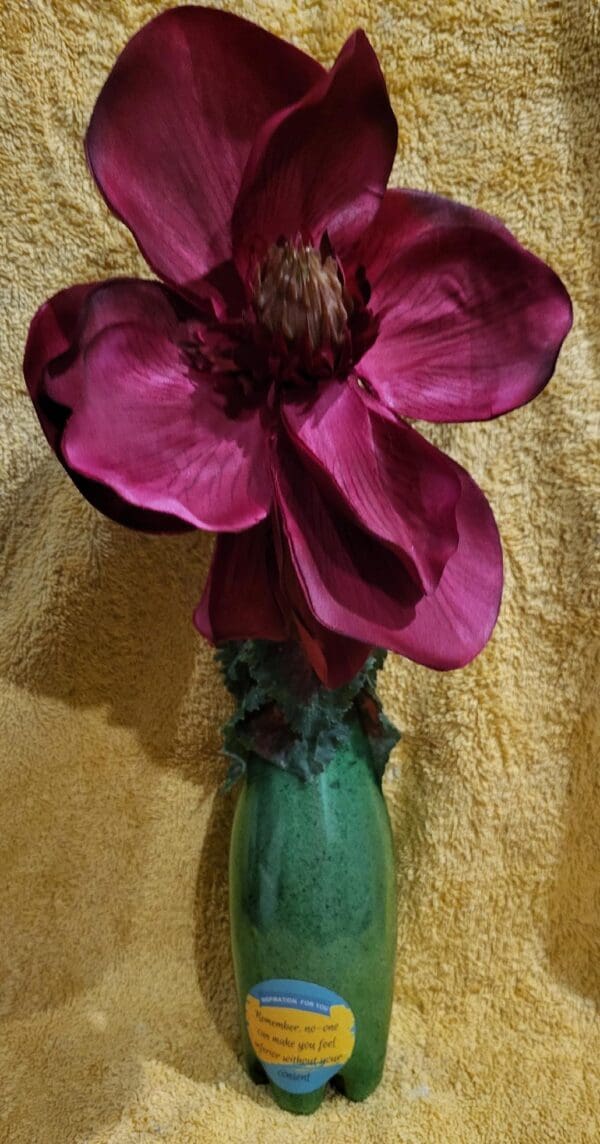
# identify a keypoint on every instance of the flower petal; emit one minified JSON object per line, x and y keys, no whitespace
{"x":353,"y":584}
{"x":159,"y":433}
{"x":52,"y":344}
{"x":454,"y":623}
{"x":173,"y":126}
{"x":321,"y":165}
{"x":470,"y":323}
{"x":53,"y":332}
{"x":356,"y":586}
{"x":396,"y":484}
{"x":239,"y":600}
{"x":108,"y":305}
{"x":334,"y":658}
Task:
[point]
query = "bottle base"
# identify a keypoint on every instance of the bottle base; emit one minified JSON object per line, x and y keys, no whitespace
{"x":300,"y":1103}
{"x":355,"y":1084}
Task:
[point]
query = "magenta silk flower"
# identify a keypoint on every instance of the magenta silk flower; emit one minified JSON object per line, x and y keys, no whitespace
{"x":259,"y":389}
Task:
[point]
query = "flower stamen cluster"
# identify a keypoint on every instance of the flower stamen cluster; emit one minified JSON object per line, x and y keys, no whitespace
{"x":299,"y":294}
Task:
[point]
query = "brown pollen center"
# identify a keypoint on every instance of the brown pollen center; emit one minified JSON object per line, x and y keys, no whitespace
{"x":299,"y":295}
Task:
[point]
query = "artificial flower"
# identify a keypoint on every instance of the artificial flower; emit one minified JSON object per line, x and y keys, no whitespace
{"x":260,"y":389}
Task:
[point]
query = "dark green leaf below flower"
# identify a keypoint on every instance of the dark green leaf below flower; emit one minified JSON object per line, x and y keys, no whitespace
{"x":285,"y":715}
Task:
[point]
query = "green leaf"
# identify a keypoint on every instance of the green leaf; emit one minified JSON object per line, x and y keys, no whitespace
{"x":285,"y":715}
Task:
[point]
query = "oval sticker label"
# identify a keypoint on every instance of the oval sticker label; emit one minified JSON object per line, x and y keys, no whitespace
{"x":302,"y":1033}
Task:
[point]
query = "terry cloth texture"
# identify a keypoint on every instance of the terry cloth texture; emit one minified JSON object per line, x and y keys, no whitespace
{"x":117,"y":997}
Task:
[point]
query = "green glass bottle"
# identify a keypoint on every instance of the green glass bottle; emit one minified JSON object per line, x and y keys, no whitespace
{"x":313,"y":925}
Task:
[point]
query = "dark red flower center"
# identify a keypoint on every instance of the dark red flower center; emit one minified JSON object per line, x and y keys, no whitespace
{"x":296,"y":321}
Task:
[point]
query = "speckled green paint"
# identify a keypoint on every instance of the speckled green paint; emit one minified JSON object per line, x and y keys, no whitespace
{"x":312,"y":897}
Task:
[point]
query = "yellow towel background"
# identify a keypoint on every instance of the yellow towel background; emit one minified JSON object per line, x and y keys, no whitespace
{"x":116,"y":992}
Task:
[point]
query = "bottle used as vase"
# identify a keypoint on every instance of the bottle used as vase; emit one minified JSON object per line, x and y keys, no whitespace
{"x":313,"y":925}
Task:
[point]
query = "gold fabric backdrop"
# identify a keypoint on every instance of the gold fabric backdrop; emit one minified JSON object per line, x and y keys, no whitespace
{"x":116,"y":991}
